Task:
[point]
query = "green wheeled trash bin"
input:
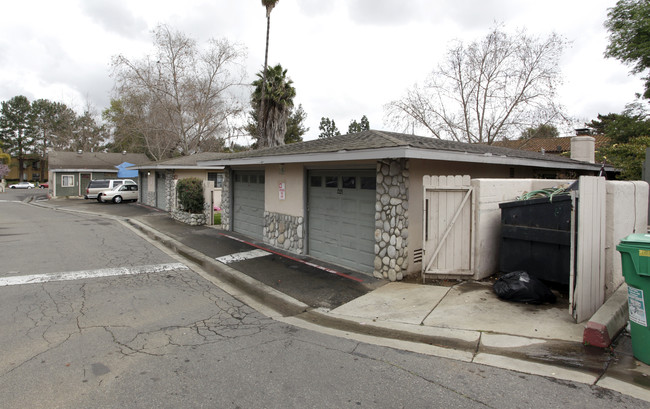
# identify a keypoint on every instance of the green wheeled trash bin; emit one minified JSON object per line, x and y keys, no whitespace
{"x":635,"y":260}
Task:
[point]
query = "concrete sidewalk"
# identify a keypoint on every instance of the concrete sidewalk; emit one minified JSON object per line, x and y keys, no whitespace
{"x":464,"y":321}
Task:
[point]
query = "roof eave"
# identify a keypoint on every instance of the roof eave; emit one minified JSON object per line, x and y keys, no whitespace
{"x":173,"y":167}
{"x":83,"y":170}
{"x":400,"y":152}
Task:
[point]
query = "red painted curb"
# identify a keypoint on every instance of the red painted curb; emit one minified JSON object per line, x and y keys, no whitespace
{"x":596,"y":334}
{"x":328,"y":270}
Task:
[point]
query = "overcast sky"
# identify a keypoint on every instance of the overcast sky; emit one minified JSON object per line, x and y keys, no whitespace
{"x":347,"y":58}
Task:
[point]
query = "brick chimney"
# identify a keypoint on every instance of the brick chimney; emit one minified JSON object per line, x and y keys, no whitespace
{"x":583,"y":146}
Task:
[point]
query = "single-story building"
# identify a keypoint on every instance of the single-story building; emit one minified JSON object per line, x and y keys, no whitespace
{"x":358,"y":200}
{"x":158,"y":179}
{"x":69,"y":173}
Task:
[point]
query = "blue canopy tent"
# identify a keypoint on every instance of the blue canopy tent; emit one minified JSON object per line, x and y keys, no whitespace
{"x":123,"y":172}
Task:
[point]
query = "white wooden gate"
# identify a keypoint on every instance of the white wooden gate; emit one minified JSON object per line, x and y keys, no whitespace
{"x":588,"y":279}
{"x":448,"y":224}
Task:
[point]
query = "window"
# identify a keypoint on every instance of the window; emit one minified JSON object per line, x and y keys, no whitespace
{"x":369,"y":183}
{"x":315,"y":181}
{"x":349,"y":182}
{"x":217,"y":178}
{"x":67,"y":180}
{"x":331,"y":181}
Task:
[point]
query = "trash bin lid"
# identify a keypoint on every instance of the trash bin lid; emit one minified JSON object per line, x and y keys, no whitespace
{"x":632,"y":239}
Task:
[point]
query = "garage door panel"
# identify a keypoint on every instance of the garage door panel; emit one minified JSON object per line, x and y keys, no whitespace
{"x":248,"y":203}
{"x":342,"y":217}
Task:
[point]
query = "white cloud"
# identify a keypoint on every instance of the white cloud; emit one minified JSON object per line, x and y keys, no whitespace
{"x":114,"y":16}
{"x":347,"y":58}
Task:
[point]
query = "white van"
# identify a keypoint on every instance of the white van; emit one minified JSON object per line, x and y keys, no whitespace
{"x":96,"y":186}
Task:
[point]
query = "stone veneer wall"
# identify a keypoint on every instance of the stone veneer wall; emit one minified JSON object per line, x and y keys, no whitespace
{"x":193,"y":219}
{"x":226,"y":191}
{"x":146,"y":197}
{"x":151,"y":198}
{"x":391,"y":219}
{"x":284,"y":231}
{"x":170,"y":188}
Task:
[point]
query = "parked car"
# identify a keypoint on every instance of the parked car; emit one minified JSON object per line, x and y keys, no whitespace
{"x":99,"y":185}
{"x":44,"y":185}
{"x":22,"y":185}
{"x":120,"y":193}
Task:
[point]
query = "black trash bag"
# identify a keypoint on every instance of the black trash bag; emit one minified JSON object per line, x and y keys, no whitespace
{"x":519,"y":286}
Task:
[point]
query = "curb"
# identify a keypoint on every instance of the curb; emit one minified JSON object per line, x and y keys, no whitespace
{"x":464,"y":345}
{"x":290,"y":307}
{"x":608,"y":321}
{"x":269,"y":296}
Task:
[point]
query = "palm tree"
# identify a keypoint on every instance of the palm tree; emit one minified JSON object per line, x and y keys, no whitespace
{"x":269,"y":4}
{"x":273,"y":100}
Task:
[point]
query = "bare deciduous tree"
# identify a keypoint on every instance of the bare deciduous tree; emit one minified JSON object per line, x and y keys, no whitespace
{"x":183,"y":96}
{"x":487,"y":90}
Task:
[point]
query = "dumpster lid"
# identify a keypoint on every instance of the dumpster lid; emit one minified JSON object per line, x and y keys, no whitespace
{"x":636,"y":238}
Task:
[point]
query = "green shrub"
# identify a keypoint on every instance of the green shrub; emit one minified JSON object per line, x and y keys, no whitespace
{"x":190,"y":194}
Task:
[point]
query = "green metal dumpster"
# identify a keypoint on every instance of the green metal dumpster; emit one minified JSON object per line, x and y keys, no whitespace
{"x":635,"y":259}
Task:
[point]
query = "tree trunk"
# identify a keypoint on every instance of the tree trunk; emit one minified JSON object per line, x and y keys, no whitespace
{"x":263,"y":140}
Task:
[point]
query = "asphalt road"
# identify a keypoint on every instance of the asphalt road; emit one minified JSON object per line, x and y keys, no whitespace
{"x":93,"y":315}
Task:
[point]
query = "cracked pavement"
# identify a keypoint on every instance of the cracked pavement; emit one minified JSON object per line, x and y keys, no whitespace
{"x":173,"y":339}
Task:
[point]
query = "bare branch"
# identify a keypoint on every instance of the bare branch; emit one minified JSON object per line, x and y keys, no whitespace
{"x":184,"y":95}
{"x":485,"y":91}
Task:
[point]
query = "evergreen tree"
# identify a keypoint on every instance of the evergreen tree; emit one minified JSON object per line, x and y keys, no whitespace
{"x":17,"y":129}
{"x":356,"y":127}
{"x":328,"y":128}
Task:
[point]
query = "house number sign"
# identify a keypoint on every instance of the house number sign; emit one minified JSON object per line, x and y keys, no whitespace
{"x":282,"y":191}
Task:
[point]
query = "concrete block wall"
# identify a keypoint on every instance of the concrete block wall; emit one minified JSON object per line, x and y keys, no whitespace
{"x":627,"y":213}
{"x":488,"y":193}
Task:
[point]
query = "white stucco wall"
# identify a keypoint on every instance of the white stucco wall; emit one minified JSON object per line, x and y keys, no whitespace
{"x":504,"y":189}
{"x":627,"y":213}
{"x":488,"y":194}
{"x":151,"y":181}
{"x":190,"y":173}
{"x":292,"y":175}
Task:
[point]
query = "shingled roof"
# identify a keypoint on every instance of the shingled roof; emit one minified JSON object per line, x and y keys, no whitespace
{"x":549,"y":145}
{"x":59,"y":160}
{"x":183,"y":162}
{"x":373,"y":144}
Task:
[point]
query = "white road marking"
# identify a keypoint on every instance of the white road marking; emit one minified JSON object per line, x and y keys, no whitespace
{"x":246,"y":255}
{"x":79,"y":275}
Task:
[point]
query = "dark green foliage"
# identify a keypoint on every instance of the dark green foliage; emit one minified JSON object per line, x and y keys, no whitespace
{"x":278,"y":94}
{"x":541,"y":131}
{"x":356,"y":127}
{"x":328,"y":128}
{"x":628,"y":157}
{"x":295,"y":125}
{"x":623,"y":127}
{"x":17,"y":129}
{"x":629,"y":36}
{"x":190,"y":194}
